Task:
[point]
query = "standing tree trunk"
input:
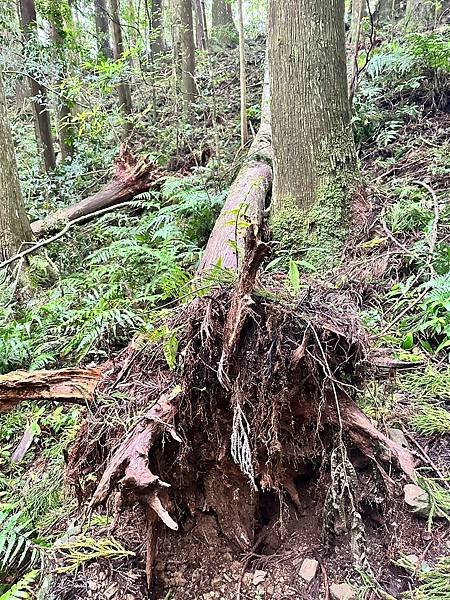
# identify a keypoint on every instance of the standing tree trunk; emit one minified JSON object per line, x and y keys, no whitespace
{"x":14,"y":225}
{"x":243,"y":81}
{"x":420,"y":15}
{"x":201,"y":40}
{"x":222,"y":24}
{"x":123,"y":89}
{"x":102,"y":28}
{"x":38,"y":92}
{"x":187,"y":47}
{"x":358,"y":10}
{"x":314,"y":151}
{"x":154,"y":12}
{"x":65,"y":130}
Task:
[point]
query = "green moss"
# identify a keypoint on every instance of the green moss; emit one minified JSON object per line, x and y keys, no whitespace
{"x":319,"y":233}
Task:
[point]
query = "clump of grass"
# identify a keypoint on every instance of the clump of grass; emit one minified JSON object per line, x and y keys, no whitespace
{"x":428,"y":385}
{"x":435,"y":583}
{"x":431,"y":419}
{"x":439,"y":497}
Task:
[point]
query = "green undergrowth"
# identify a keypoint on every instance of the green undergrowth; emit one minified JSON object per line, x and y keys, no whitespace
{"x":112,"y":275}
{"x":403,"y":78}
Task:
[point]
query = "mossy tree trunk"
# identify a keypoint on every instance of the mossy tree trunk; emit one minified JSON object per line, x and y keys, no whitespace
{"x":222,"y":24}
{"x":314,"y":150}
{"x":102,"y":29}
{"x":14,"y":224}
{"x":187,"y":47}
{"x":123,"y":88}
{"x":38,"y":92}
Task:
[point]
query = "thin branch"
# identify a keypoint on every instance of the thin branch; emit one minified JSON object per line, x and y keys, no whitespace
{"x":63,"y":231}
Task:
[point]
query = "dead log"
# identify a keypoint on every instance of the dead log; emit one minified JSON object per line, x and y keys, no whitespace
{"x":75,"y":386}
{"x":132,"y":177}
{"x":246,"y":198}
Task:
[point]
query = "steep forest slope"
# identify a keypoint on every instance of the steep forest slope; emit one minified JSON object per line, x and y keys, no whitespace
{"x":272,"y":431}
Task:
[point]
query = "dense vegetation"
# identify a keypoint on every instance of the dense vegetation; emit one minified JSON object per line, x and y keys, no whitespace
{"x":81,"y":299}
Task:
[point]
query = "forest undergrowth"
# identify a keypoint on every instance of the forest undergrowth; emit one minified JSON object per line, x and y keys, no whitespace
{"x":376,"y":330}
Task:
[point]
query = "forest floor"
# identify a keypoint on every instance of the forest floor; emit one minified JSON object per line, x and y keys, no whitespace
{"x":216,"y":504}
{"x":364,"y":330}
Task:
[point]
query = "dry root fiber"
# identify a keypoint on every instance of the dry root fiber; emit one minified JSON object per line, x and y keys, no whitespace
{"x":262,"y":395}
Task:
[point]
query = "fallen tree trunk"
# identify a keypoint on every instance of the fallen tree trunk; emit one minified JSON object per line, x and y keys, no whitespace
{"x":131,"y":178}
{"x":246,"y":198}
{"x":65,"y":385}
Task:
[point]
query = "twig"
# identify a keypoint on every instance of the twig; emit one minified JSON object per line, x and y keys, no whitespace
{"x":403,"y":313}
{"x":427,"y":458}
{"x":323,"y":570}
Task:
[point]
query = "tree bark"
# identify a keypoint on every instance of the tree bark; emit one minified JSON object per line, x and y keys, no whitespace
{"x":187,"y":46}
{"x":314,"y":151}
{"x":248,"y":192}
{"x":123,"y":88}
{"x":102,"y":28}
{"x":222,"y":24}
{"x":242,"y":76}
{"x":14,"y":225}
{"x":420,"y":15}
{"x":154,"y":15}
{"x":38,"y":92}
{"x":201,"y":40}
{"x":64,"y":126}
{"x":358,"y":10}
{"x":65,"y":385}
{"x":131,"y":178}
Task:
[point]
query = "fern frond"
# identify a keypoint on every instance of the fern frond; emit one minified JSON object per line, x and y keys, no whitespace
{"x":22,"y":589}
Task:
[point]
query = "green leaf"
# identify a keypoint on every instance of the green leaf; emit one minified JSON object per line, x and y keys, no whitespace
{"x":408,"y":341}
{"x":294,"y":276}
{"x":170,"y":349}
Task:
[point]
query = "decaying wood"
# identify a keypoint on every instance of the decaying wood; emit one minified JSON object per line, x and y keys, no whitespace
{"x":364,"y":435}
{"x":240,"y":307}
{"x":129,"y":469}
{"x":246,"y":198}
{"x":132,"y":177}
{"x":64,"y":385}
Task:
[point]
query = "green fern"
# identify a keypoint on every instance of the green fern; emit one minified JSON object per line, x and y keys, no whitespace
{"x":22,"y":589}
{"x":17,"y":547}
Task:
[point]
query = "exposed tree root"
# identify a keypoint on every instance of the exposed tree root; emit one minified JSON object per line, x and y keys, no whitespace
{"x":132,"y":177}
{"x":64,"y":385}
{"x":260,"y":394}
{"x":129,"y":468}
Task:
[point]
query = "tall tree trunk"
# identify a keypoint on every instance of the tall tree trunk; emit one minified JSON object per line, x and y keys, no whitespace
{"x":222,"y":24}
{"x":14,"y":225}
{"x":38,"y":92}
{"x":102,"y":28}
{"x":65,"y":130}
{"x":201,"y":40}
{"x":187,"y":47}
{"x":154,"y":11}
{"x":123,"y":89}
{"x":315,"y":163}
{"x":359,"y":8}
{"x":243,"y":81}
{"x":356,"y":26}
{"x":420,"y":15}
